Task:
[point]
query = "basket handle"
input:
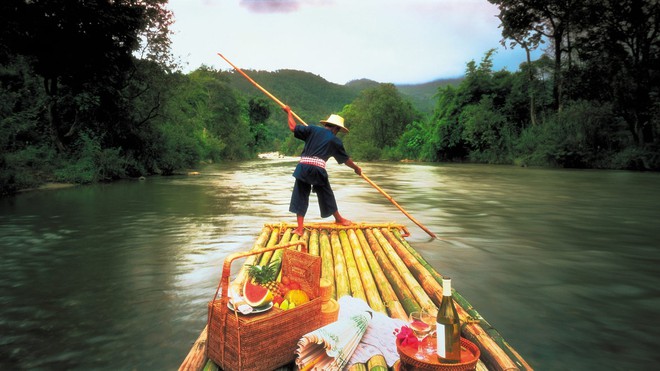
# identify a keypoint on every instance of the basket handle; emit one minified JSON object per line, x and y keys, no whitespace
{"x":226,"y":267}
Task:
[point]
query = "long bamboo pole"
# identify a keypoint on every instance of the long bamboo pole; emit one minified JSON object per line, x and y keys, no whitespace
{"x":342,"y":284}
{"x":409,"y":280}
{"x":368,"y":283}
{"x":313,"y":243}
{"x":271,"y":96}
{"x":387,"y":294}
{"x":270,"y":256}
{"x":419,"y":272}
{"x":276,"y":257}
{"x":354,"y":281}
{"x":399,"y":286}
{"x":398,"y":206}
{"x":327,"y":264}
{"x":197,"y":356}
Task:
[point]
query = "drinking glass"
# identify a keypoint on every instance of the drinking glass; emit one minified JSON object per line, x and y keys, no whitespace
{"x":419,"y":323}
{"x":430,"y":343}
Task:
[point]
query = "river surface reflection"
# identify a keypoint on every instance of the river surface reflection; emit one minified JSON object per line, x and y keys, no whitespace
{"x":563,"y":263}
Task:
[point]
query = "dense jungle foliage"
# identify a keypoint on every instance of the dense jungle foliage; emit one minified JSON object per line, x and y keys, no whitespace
{"x":89,"y":92}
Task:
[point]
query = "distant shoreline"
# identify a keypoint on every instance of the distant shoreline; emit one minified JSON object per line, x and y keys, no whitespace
{"x":270,"y":155}
{"x":48,"y":186}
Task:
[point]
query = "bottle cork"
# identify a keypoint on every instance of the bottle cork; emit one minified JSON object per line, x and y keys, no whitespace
{"x":329,"y":306}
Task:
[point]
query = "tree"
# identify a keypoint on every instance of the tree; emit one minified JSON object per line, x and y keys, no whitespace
{"x":83,"y":51}
{"x":620,"y":50}
{"x":529,"y":41}
{"x":377,"y":118}
{"x":217,"y":110}
{"x":259,"y":112}
{"x":606,"y":58}
{"x":527,"y":22}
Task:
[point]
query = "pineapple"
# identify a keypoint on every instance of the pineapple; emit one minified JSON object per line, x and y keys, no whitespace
{"x":266,"y":276}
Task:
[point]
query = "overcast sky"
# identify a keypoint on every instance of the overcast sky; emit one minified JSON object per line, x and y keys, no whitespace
{"x":397,"y":41}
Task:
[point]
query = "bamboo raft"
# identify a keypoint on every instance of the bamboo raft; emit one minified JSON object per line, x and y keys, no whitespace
{"x":375,"y":263}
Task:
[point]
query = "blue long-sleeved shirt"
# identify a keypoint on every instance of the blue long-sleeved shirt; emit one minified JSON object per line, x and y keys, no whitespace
{"x":322,"y":143}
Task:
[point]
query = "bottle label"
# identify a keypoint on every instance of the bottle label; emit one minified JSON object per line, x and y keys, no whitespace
{"x":440,"y":332}
{"x":446,"y":288}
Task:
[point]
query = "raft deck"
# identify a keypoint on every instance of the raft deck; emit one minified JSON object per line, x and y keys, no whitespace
{"x":374,"y":262}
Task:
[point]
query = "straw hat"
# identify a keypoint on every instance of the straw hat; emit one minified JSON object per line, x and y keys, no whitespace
{"x":336,"y":120}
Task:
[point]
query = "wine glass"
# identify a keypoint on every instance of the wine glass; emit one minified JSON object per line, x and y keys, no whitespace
{"x":431,"y":344}
{"x":419,"y":323}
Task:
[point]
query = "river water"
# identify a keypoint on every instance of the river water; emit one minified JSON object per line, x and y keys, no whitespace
{"x":563,"y":263}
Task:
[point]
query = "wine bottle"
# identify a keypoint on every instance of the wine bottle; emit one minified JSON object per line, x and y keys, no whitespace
{"x":448,"y":327}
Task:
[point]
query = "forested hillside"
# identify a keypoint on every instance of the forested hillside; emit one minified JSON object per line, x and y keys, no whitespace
{"x":313,"y":97}
{"x":77,"y":104}
{"x":424,"y":96}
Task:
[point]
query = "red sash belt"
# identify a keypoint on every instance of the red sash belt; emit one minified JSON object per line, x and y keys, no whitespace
{"x":313,"y":161}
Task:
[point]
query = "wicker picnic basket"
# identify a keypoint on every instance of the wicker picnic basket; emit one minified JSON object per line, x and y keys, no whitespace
{"x":267,"y":340}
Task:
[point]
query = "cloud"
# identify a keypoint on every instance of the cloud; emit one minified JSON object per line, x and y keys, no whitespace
{"x":271,"y":6}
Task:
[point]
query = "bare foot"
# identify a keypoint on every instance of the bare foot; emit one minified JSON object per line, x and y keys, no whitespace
{"x":344,"y":222}
{"x":299,"y":231}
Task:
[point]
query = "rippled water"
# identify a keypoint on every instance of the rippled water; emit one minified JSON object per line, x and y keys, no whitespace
{"x":563,"y":263}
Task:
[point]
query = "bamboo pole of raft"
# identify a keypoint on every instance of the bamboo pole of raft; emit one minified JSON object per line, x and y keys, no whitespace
{"x":314,"y":243}
{"x":387,"y":294}
{"x":295,"y":237}
{"x":399,"y":286}
{"x":377,"y":362}
{"x":276,"y":257}
{"x":266,"y":232}
{"x":420,"y":273}
{"x":490,"y":351}
{"x":368,"y":283}
{"x":270,"y":256}
{"x":417,"y":290}
{"x":341,"y":275}
{"x":398,"y":206}
{"x":197,"y":355}
{"x":327,"y":261}
{"x":304,"y":238}
{"x":355,"y":283}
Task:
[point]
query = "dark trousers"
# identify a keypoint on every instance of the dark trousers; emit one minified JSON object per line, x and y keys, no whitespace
{"x":300,"y":199}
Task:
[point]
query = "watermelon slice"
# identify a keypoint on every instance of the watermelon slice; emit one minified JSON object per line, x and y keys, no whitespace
{"x":256,"y":295}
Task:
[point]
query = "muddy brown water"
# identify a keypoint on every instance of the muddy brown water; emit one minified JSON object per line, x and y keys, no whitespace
{"x":564,"y":263}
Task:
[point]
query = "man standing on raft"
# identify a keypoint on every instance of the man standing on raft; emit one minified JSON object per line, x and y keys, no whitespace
{"x":321,"y":143}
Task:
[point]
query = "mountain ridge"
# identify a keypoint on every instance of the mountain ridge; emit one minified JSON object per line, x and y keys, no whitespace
{"x":315,"y":96}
